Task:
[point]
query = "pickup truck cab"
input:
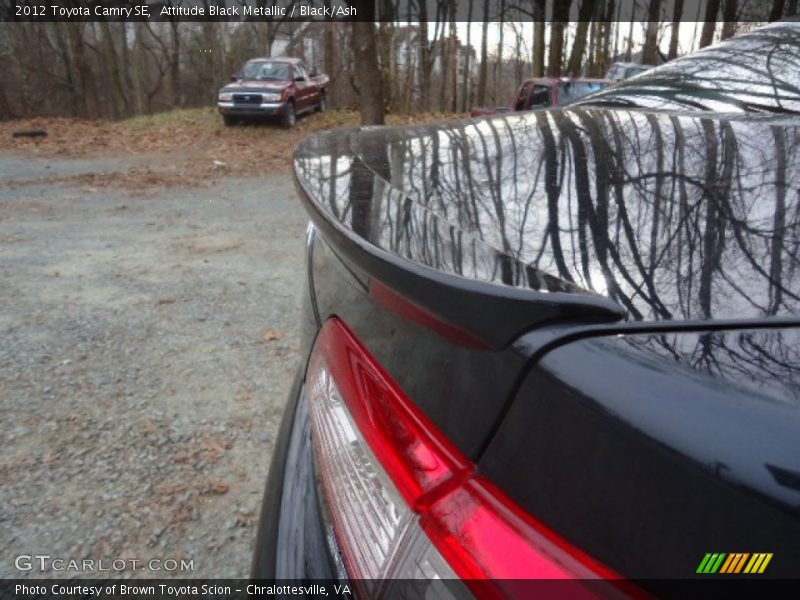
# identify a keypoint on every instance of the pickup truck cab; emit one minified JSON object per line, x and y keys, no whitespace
{"x":546,"y":92}
{"x":272,"y":87}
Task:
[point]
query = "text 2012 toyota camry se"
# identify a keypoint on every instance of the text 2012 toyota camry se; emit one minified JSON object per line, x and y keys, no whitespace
{"x":555,"y":345}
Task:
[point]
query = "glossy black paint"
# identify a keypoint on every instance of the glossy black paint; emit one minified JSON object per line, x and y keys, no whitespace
{"x":462,"y":390}
{"x":336,"y":184}
{"x":633,"y":278}
{"x":753,"y":72}
{"x":673,"y":217}
{"x":648,"y":450}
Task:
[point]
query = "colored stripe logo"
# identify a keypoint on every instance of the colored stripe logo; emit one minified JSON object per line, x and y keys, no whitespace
{"x":734,"y":563}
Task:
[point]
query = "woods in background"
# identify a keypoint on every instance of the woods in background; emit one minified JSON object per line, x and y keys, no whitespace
{"x":474,"y":52}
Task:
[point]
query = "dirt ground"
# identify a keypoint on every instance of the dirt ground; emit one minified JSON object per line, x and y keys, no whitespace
{"x":148,"y":336}
{"x":178,"y":148}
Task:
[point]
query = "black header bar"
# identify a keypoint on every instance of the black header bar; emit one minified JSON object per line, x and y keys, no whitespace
{"x":401,"y":11}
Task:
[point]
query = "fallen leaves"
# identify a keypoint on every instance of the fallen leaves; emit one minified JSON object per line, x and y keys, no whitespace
{"x":134,"y":179}
{"x":189,"y":147}
{"x":218,"y":487}
{"x":272,"y":335}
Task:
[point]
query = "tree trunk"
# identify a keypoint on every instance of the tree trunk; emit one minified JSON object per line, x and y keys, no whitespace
{"x":710,"y":23}
{"x":650,"y":49}
{"x":465,"y":82}
{"x":482,"y":73}
{"x":556,"y":53}
{"x":175,"y":65}
{"x":383,"y":40}
{"x":82,"y":71}
{"x":538,"y":37}
{"x":424,"y":59}
{"x":579,"y":44}
{"x":368,"y":73}
{"x":677,"y":13}
{"x":606,"y":39}
{"x":330,"y":64}
{"x":453,"y":46}
{"x":777,"y":10}
{"x":138,"y":69}
{"x":629,"y":50}
{"x":729,"y":19}
{"x":118,"y":104}
{"x":445,"y":64}
{"x":269,"y":36}
{"x":497,"y":71}
{"x":64,"y":52}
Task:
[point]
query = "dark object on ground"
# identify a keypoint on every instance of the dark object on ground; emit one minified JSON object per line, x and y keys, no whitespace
{"x":546,"y":92}
{"x":272,"y":88}
{"x":33,"y":133}
{"x":543,"y":345}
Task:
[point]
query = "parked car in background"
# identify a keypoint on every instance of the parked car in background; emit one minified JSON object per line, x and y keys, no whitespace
{"x":272,"y":88}
{"x":561,"y":344}
{"x":545,"y":92}
{"x":622,"y":70}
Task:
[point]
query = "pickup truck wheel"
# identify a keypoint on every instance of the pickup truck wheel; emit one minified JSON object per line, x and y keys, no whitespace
{"x":323,"y":103}
{"x":228,"y":120}
{"x":289,"y":115}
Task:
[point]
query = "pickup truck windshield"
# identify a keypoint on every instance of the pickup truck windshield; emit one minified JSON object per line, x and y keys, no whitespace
{"x":266,"y":70}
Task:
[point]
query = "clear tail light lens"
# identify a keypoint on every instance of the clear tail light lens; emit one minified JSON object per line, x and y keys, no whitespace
{"x":404,"y":502}
{"x":366,"y":508}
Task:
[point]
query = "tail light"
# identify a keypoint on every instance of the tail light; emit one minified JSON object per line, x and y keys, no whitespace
{"x":404,"y":502}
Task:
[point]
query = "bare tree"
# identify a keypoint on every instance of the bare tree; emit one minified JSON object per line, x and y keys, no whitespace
{"x":729,"y":19}
{"x":677,"y":12}
{"x":556,"y":53}
{"x":467,"y":76}
{"x":482,"y":73}
{"x":650,"y":49}
{"x":575,"y":63}
{"x":709,"y":23}
{"x":368,"y":75}
{"x":538,"y":37}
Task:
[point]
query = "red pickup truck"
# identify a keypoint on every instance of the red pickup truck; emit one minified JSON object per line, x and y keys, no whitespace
{"x":543,"y":92}
{"x":272,"y":87}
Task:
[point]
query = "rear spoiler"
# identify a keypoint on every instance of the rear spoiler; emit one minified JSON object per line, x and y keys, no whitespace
{"x":417,"y":260}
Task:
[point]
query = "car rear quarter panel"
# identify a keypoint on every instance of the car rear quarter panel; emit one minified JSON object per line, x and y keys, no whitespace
{"x":647,"y":453}
{"x":461,"y":389}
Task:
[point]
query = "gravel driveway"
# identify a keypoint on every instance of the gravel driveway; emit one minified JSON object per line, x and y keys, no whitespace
{"x":147,"y":344}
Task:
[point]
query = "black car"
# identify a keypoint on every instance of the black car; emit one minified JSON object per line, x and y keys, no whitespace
{"x":552,"y":345}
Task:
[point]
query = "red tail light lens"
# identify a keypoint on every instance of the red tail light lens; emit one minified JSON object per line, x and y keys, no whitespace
{"x":416,"y":459}
{"x":404,"y":502}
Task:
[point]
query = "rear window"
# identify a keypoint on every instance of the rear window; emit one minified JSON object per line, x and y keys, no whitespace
{"x":540,"y":98}
{"x":571,"y":91}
